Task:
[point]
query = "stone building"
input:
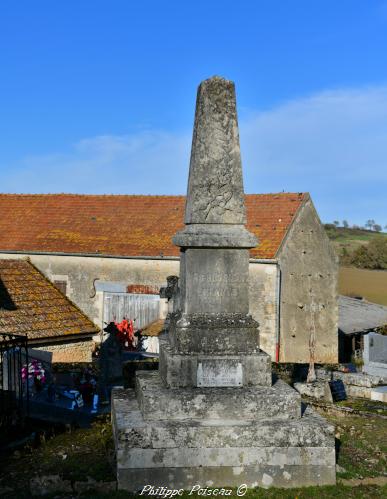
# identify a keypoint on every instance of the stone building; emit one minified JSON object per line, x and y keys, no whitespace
{"x":30,"y":305}
{"x":110,"y":255}
{"x":357,"y":318}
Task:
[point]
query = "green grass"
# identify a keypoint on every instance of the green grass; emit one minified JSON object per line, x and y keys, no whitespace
{"x":362,"y":453}
{"x":335,"y":233}
{"x":362,"y":446}
{"x":74,"y":456}
{"x":365,"y":405}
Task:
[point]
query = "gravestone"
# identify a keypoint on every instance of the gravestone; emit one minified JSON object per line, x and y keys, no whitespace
{"x":375,"y":355}
{"x":211,"y":414}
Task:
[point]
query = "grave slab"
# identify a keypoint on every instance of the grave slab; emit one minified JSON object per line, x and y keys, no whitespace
{"x":379,"y":393}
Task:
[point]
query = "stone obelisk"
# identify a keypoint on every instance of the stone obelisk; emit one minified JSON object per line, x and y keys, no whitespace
{"x":212,"y":324}
{"x":212,"y":415}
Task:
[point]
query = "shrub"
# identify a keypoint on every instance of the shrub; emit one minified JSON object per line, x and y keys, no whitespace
{"x":372,"y":256}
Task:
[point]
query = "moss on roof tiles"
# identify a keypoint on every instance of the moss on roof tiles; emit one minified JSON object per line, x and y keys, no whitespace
{"x":125,"y":225}
{"x":39,"y":309}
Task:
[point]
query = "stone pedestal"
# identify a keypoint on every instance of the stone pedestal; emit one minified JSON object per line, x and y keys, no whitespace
{"x":211,"y":414}
{"x":218,"y":437}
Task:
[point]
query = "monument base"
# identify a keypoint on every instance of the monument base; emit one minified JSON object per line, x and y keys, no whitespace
{"x":179,"y":454}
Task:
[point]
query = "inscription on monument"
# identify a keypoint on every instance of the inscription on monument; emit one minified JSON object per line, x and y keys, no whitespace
{"x":218,"y":280}
{"x":219,"y":372}
{"x":217,"y":285}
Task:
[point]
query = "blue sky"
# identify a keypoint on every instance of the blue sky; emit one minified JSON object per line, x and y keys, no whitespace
{"x":98,"y":96}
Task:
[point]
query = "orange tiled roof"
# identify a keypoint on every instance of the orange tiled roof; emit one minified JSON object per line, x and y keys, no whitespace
{"x":32,"y":306}
{"x":125,"y":225}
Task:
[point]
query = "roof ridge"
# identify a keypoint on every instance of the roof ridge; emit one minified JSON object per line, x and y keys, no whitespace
{"x":71,"y":194}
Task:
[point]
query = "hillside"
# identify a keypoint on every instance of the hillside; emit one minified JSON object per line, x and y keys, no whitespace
{"x":360,"y":248}
{"x":363,"y":262}
{"x":350,"y":239}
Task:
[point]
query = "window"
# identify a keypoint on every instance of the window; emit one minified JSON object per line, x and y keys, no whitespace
{"x":61,"y":285}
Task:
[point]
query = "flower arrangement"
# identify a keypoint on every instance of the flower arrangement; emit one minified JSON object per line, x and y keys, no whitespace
{"x":34,"y":372}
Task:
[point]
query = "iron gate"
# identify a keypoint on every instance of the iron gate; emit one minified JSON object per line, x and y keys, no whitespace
{"x":14,"y":392}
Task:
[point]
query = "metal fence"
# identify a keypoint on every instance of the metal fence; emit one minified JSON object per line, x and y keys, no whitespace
{"x":14,"y":391}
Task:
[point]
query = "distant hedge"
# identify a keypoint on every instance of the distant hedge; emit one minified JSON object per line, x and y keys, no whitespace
{"x":371,"y":256}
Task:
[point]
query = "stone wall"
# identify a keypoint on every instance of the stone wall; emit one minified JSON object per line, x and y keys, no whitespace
{"x":80,"y":351}
{"x":263,"y":304}
{"x":308,"y":291}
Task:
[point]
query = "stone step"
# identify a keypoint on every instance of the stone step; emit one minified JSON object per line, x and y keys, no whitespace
{"x":229,"y":453}
{"x":220,"y":480}
{"x":182,"y":371}
{"x":227,"y":456}
{"x":157,"y":402}
{"x":131,"y":429}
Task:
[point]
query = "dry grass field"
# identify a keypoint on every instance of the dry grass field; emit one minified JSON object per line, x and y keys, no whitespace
{"x":370,"y":284}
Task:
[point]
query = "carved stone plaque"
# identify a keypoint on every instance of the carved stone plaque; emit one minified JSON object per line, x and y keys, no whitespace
{"x":219,"y":372}
{"x":216,"y":280}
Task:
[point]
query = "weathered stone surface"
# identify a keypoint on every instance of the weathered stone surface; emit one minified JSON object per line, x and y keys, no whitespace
{"x":218,"y":372}
{"x":215,"y":236}
{"x":379,"y":393}
{"x":215,"y":185}
{"x":319,"y":390}
{"x":260,"y":475}
{"x":221,"y":452}
{"x":357,"y":379}
{"x":181,"y":370}
{"x":186,"y":457}
{"x":216,"y":281}
{"x":131,"y":428}
{"x":214,"y":334}
{"x":308,"y":262}
{"x":248,"y":403}
{"x":377,"y":369}
{"x":358,"y":391}
{"x":323,"y":374}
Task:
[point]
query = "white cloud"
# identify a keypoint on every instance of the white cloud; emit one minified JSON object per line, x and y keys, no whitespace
{"x":342,"y":133}
{"x":333,"y":144}
{"x":145,"y":162}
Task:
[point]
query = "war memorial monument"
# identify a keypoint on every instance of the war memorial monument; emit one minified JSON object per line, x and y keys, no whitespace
{"x":212,"y":415}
